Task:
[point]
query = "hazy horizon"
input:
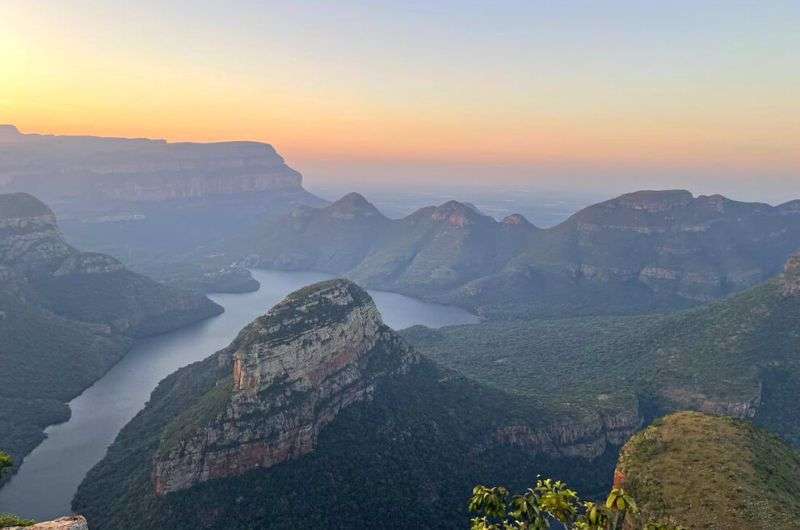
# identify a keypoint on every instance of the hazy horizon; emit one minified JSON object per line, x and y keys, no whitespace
{"x":610,"y":96}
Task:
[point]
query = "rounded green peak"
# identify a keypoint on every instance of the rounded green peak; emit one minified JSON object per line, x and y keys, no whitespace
{"x":704,"y":471}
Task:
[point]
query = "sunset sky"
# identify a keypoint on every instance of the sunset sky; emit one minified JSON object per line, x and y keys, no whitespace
{"x":592,"y":93}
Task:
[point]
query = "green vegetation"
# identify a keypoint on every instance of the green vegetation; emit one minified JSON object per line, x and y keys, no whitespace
{"x":65,"y":318}
{"x":45,"y":360}
{"x":641,"y":252}
{"x":553,"y":501}
{"x":407,"y":458}
{"x":7,"y":519}
{"x":709,"y":472}
{"x":735,"y":356}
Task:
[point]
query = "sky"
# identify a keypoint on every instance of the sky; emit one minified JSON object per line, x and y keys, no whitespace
{"x":590,"y":94}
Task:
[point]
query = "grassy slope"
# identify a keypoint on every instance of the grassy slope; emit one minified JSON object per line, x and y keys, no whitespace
{"x":709,"y":472}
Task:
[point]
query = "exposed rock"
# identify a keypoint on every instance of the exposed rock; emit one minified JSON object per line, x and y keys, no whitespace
{"x":455,"y":214}
{"x":654,"y":201}
{"x":516,"y":219}
{"x":791,"y":276}
{"x":75,"y":522}
{"x":292,"y":371}
{"x":681,"y":398}
{"x":585,"y":438}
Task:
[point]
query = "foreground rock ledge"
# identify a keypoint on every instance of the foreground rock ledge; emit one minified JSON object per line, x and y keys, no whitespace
{"x":74,"y":522}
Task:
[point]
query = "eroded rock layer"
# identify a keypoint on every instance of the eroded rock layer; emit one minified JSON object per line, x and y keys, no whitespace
{"x":294,"y":369}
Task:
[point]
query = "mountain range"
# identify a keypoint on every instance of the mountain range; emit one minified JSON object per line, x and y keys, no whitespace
{"x":643,"y":251}
{"x":66,"y":317}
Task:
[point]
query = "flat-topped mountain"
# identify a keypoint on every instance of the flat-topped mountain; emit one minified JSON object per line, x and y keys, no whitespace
{"x":318,"y":402}
{"x":161,"y":207}
{"x":644,"y":251}
{"x":66,"y":317}
{"x":138,"y":169}
{"x":703,"y":471}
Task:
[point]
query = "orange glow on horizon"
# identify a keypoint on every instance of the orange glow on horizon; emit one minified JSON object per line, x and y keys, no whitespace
{"x":57,"y":81}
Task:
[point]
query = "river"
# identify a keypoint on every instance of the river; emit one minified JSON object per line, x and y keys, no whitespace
{"x":48,"y":478}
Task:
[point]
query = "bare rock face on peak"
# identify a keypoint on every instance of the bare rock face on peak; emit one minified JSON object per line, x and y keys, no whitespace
{"x":293,"y":370}
{"x":791,"y":276}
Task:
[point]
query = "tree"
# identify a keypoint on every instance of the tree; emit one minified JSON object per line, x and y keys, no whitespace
{"x":552,"y":501}
{"x":5,"y":462}
{"x":7,"y":519}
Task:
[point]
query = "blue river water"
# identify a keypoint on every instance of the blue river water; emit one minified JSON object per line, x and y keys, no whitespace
{"x":48,"y":478}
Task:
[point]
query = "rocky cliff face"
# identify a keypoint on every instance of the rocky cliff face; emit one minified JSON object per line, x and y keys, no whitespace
{"x":292,"y":372}
{"x":586,"y":438}
{"x":791,"y":276}
{"x":138,"y":169}
{"x":684,"y":399}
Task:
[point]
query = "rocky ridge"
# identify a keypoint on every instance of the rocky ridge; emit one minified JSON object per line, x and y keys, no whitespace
{"x":643,"y":251}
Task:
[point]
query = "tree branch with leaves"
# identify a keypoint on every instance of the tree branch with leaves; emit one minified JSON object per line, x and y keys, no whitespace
{"x":554,"y":502}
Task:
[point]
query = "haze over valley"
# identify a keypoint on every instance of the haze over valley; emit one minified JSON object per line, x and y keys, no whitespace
{"x":508,"y":265}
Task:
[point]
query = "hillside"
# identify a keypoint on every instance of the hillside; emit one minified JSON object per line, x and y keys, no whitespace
{"x":66,"y":317}
{"x":320,"y":415}
{"x":739,"y":356}
{"x":641,"y":252}
{"x":709,"y":472}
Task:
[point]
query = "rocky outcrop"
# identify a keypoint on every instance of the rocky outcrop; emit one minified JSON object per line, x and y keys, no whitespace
{"x":584,"y":438}
{"x":791,"y":276}
{"x":291,"y":372}
{"x":75,"y":522}
{"x":683,"y":399}
{"x":86,"y":286}
{"x":29,"y":238}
